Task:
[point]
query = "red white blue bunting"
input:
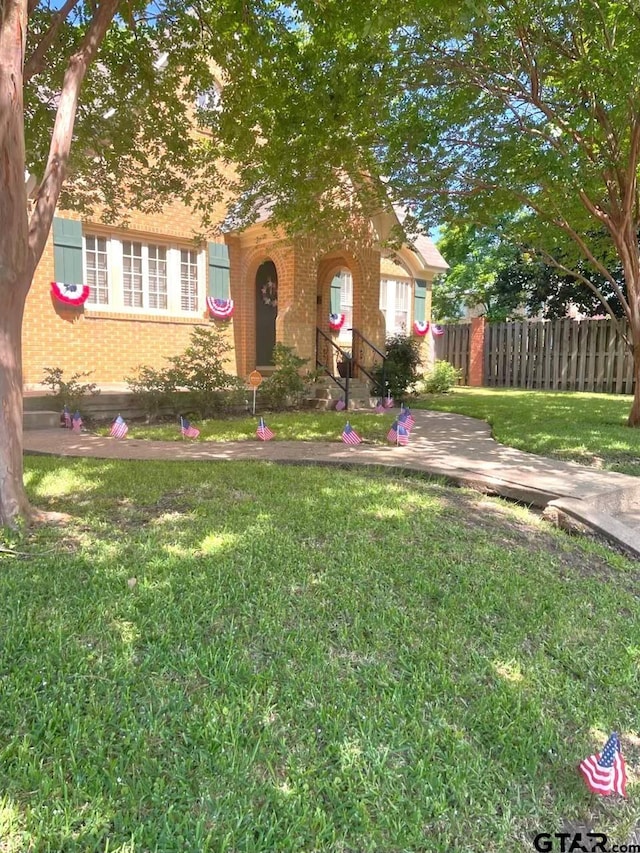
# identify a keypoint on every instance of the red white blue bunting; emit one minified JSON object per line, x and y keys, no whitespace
{"x":437,"y":330}
{"x":70,"y":294}
{"x":336,"y":322}
{"x":421,"y":327}
{"x":221,"y":309}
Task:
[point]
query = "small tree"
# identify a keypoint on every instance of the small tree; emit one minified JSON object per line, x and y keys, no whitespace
{"x":287,"y":384}
{"x":201,"y":371}
{"x":401,"y":367}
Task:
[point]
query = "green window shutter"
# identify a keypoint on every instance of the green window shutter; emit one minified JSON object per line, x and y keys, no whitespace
{"x":218,"y":271}
{"x":67,"y":250}
{"x":335,"y":294}
{"x":419,"y":301}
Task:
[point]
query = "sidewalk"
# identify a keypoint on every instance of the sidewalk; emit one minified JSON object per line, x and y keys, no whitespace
{"x":456,"y":447}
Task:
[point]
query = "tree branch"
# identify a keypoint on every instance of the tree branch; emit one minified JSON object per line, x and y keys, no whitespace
{"x":36,"y":62}
{"x":55,"y":171}
{"x":549,"y":259}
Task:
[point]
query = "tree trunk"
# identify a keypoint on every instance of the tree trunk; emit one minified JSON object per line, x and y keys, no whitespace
{"x":634,"y":414}
{"x":13,"y":500}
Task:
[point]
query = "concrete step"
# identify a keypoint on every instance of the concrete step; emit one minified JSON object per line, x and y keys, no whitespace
{"x":40,"y":419}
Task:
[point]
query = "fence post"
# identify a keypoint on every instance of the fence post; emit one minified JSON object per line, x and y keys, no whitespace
{"x":476,"y":352}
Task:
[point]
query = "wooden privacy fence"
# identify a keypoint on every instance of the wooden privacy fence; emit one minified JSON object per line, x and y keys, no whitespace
{"x":558,"y":355}
{"x":453,"y":346}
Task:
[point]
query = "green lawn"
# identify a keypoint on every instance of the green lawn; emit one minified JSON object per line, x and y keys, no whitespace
{"x":286,"y":426}
{"x":586,"y":428}
{"x":308,"y":660}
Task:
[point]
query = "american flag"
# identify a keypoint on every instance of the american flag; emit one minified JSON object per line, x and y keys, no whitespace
{"x":606,"y":773}
{"x":406,"y":419}
{"x":67,"y":417}
{"x":340,"y":405}
{"x":398,"y":434}
{"x":76,"y":422}
{"x":388,"y":402}
{"x":263,"y":432}
{"x":188,"y":430}
{"x":119,"y":428}
{"x":349,"y":435}
{"x":379,"y":408}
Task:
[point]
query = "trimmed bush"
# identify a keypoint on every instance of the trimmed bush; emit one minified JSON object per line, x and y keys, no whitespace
{"x":442,"y":377}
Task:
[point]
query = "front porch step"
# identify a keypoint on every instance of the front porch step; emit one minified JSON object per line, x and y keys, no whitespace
{"x":40,"y":419}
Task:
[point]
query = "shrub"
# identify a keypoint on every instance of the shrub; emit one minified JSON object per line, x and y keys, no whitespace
{"x":440,"y":379}
{"x":401,"y":368}
{"x":286,"y":385}
{"x":68,"y":392}
{"x":200,"y":371}
{"x":155,"y":390}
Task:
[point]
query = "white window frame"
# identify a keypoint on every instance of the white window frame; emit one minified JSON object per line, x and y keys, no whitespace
{"x":346,"y":305}
{"x":91,"y":301}
{"x":396,"y":298}
{"x":173,"y":297}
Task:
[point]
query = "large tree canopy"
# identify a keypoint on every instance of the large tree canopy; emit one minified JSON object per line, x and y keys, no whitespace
{"x":468,"y":112}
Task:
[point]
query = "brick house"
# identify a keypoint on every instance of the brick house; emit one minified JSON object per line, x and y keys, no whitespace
{"x":149,"y":285}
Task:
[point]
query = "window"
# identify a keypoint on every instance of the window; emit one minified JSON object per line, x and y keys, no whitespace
{"x":157,"y":277}
{"x":395,"y":299}
{"x":188,"y":280}
{"x":97,"y":270}
{"x":144,"y":277}
{"x":342,"y":285}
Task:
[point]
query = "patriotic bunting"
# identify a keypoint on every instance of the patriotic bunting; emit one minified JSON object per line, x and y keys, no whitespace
{"x":70,"y":294}
{"x":220,"y":309}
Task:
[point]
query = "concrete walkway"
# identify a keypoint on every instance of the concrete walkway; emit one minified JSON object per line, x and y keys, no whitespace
{"x":456,"y":447}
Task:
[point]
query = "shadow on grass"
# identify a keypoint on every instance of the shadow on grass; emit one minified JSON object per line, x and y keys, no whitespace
{"x":308,"y":659}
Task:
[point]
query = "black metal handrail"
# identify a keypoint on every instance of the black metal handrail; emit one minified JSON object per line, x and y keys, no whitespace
{"x":328,"y":352}
{"x":362,"y":346}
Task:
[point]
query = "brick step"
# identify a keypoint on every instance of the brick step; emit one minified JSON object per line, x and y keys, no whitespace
{"x":35,"y":419}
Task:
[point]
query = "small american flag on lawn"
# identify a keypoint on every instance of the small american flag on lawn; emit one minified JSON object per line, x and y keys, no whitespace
{"x":67,"y":417}
{"x":388,"y":402}
{"x":606,"y":773}
{"x":398,"y":434}
{"x":76,"y":422}
{"x":119,"y":428}
{"x":187,"y":429}
{"x":349,"y":435}
{"x":340,"y":405}
{"x":406,"y":419}
{"x":263,"y":432}
{"x":379,"y":408}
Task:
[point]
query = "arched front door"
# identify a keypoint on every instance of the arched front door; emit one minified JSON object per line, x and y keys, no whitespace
{"x":266,"y":312}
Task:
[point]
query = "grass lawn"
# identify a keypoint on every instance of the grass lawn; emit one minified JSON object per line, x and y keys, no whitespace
{"x":586,"y":428}
{"x":308,"y":660}
{"x":286,"y":426}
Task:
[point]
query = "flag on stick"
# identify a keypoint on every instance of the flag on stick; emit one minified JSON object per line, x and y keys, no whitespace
{"x":340,"y":405}
{"x":606,"y":773}
{"x":263,"y":432}
{"x":379,"y":408}
{"x":406,"y":419}
{"x":388,"y":402}
{"x":349,"y":435}
{"x":119,"y":428}
{"x":67,"y":417}
{"x":398,"y":434}
{"x":76,"y":422}
{"x":187,"y":429}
